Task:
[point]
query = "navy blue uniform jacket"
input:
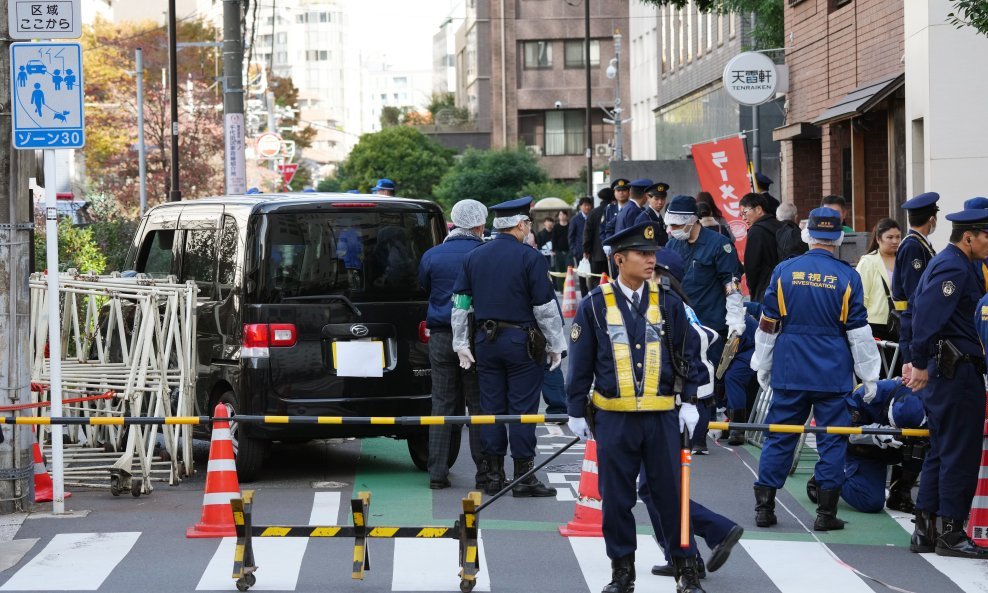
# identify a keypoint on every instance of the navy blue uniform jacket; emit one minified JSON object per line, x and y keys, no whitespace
{"x":438,"y":270}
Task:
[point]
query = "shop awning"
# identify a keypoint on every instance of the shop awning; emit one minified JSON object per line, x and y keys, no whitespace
{"x":862,"y":99}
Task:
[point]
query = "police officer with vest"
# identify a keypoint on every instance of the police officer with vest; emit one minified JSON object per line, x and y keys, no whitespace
{"x":815,"y":325}
{"x":506,"y":285}
{"x":632,"y":345}
{"x":946,"y":354}
{"x":915,"y":250}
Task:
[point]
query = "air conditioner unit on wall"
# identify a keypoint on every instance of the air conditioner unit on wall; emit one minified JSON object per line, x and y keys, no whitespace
{"x":603,"y":150}
{"x":534,"y":149}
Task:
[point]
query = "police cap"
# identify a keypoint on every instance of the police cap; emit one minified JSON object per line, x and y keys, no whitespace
{"x":825,"y":224}
{"x":764,"y":181}
{"x":657,"y":188}
{"x":641,"y":183}
{"x":907,"y":412}
{"x":682,"y":205}
{"x":384,"y":183}
{"x":670,"y":261}
{"x":512,"y":207}
{"x":921,"y":201}
{"x":621,"y":184}
{"x":976,"y":204}
{"x":973,"y":220}
{"x":640,"y":237}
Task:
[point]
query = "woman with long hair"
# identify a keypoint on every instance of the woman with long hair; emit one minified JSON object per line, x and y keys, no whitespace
{"x":876,"y":269}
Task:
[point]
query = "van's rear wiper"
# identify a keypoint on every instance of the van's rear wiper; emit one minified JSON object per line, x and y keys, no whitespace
{"x":319,"y":297}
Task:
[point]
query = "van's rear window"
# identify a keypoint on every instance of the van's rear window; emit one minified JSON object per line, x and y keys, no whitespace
{"x":372,"y":255}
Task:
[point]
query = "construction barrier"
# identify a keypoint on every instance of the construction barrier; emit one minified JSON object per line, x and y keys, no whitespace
{"x":465,"y":530}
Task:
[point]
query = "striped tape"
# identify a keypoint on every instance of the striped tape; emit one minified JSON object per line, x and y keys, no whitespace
{"x":590,"y":466}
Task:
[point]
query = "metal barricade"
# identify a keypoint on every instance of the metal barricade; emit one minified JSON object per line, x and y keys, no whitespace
{"x":758,"y":414}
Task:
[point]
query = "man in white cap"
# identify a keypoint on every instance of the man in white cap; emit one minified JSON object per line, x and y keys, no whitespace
{"x":452,"y":387}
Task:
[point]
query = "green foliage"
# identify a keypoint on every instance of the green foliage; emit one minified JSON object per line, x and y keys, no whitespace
{"x":302,"y":178}
{"x":446,"y":103}
{"x":555,"y":189}
{"x":403,"y":154}
{"x":330,"y":184}
{"x":769,"y":31}
{"x":390,"y":117}
{"x":77,"y":248}
{"x":970,"y":13}
{"x":490,"y":176}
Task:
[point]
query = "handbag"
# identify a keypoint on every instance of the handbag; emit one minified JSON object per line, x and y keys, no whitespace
{"x":893,"y":322}
{"x":583,"y":269}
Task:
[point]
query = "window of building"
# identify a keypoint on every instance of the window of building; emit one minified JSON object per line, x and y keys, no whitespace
{"x":689,"y":33}
{"x":575,"y":52}
{"x":664,"y":38}
{"x":324,"y":17}
{"x":564,"y":132}
{"x":834,"y":4}
{"x":710,"y":32}
{"x":538,"y":54}
{"x":282,"y":38}
{"x":316,"y":55}
{"x":401,"y":81}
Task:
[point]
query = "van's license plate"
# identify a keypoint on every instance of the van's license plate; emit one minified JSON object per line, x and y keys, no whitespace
{"x":363,"y":358}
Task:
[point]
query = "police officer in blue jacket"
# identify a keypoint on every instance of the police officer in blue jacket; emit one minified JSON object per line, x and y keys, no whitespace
{"x":915,"y":251}
{"x":653,"y":209}
{"x":945,"y":352}
{"x":981,"y":267}
{"x":711,"y":281}
{"x":740,"y":380}
{"x":628,"y":216}
{"x":622,"y":193}
{"x":815,"y":327}
{"x":870,"y":455}
{"x":632,"y":345}
{"x":453,"y":388}
{"x":505,"y":283}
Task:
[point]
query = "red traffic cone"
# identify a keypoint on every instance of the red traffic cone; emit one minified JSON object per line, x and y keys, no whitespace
{"x":221,"y":483}
{"x":977,"y":522}
{"x":587,"y":516}
{"x":603,"y":278}
{"x":570,"y":298}
{"x":42,"y":481}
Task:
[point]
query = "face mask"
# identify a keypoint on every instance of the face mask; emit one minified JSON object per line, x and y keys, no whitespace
{"x":682,"y":234}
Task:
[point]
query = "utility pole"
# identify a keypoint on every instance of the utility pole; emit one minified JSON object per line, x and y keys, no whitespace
{"x":16,"y":224}
{"x":175,"y":194}
{"x":586,"y":56}
{"x":141,"y":148}
{"x":618,"y":137}
{"x":233,"y":98}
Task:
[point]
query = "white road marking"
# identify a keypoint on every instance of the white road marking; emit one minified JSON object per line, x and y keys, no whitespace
{"x":596,"y":566}
{"x":803,"y":567}
{"x":325,"y":509}
{"x":73,"y":562}
{"x":969,"y":575}
{"x":567,"y":485}
{"x":278,"y":560}
{"x":432,"y":565}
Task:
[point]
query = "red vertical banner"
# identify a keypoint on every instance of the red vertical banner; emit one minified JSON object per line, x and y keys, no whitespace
{"x":722,"y":168}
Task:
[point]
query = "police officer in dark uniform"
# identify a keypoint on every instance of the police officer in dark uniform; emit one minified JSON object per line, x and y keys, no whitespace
{"x":915,"y":250}
{"x":981,"y":267}
{"x":653,"y":210}
{"x":945,"y":352}
{"x":622,"y":195}
{"x":632,"y":344}
{"x":593,"y":246}
{"x":505,"y":283}
{"x":628,"y":215}
{"x":763,"y":183}
{"x":814,"y":324}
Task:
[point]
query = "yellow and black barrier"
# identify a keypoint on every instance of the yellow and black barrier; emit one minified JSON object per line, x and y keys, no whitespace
{"x":465,"y":530}
{"x":434,"y":421}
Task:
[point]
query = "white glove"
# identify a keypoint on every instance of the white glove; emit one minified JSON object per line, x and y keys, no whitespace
{"x":735,"y":330}
{"x":607,"y":250}
{"x":765,"y":378}
{"x":466,"y":359}
{"x":579,"y":428}
{"x":555,"y":359}
{"x":885,"y":441}
{"x":688,"y":417}
{"x":870,"y":391}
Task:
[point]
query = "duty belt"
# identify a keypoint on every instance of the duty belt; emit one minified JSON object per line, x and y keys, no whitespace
{"x":642,"y":403}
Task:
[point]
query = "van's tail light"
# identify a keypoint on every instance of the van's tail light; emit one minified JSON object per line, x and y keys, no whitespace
{"x":259,"y":337}
{"x":423,"y":333}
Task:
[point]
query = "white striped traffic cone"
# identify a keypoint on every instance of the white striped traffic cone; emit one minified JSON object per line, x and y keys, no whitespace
{"x":221,"y":483}
{"x":42,"y":481}
{"x":587,"y":516}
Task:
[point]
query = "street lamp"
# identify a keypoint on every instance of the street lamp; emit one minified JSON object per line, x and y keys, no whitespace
{"x":614,"y":73}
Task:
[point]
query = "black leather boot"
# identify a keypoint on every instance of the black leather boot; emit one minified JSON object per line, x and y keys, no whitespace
{"x":955,"y":542}
{"x":765,"y":506}
{"x":483,"y":469}
{"x":720,"y":552}
{"x":622,"y":576}
{"x":901,"y":490}
{"x":495,"y":474}
{"x":737,"y":438}
{"x":687,"y":576}
{"x":826,"y":510}
{"x":530,"y":487}
{"x":812,"y":490}
{"x":668,"y":570}
{"x":924,"y":537}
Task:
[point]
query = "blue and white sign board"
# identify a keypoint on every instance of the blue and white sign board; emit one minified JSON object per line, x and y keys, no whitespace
{"x":44,"y":19}
{"x":46,"y":79}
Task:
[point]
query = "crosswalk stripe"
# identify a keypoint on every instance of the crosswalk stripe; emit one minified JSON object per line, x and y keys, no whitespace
{"x":969,"y":575}
{"x":325,"y":508}
{"x":596,"y":566}
{"x":279,"y":561}
{"x":73,"y":562}
{"x":432,"y":565}
{"x":803,"y":567}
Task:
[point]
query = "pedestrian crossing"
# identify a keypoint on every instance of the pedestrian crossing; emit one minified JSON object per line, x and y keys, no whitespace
{"x":94,"y":562}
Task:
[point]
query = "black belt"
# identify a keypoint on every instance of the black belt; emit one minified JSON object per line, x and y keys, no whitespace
{"x":501,"y":324}
{"x":977,"y":361}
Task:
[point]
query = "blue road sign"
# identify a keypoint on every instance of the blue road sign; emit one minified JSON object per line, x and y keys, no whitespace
{"x":46,"y":79}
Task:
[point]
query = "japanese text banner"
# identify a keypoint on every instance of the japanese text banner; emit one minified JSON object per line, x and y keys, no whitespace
{"x":722,"y":168}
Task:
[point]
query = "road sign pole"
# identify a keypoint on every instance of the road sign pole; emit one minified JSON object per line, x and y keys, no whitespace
{"x":175,"y":194}
{"x":141,"y":149}
{"x":54,"y":333}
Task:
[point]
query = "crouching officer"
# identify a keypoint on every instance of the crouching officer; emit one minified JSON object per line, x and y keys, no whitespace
{"x":870,"y":455}
{"x":814,"y":323}
{"x":940,"y":319}
{"x":505,"y":283}
{"x":632,"y":345}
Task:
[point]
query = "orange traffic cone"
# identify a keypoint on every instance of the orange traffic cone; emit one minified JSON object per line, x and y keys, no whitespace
{"x":570,"y":298}
{"x":587,"y":515}
{"x":221,"y":483}
{"x":977,"y":522}
{"x":603,"y":278}
{"x":42,"y":481}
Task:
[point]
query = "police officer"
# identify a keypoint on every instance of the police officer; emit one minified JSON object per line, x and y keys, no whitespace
{"x":631,"y":343}
{"x":915,"y":250}
{"x":740,"y":383}
{"x":506,"y":285}
{"x":384,"y":187}
{"x":815,"y":325}
{"x":981,"y":267}
{"x":711,"y":281}
{"x":593,"y":246}
{"x":762,"y":185}
{"x":452,"y":387}
{"x":628,"y":215}
{"x":939,"y":317}
{"x":652,"y":212}
{"x":622,"y":193}
{"x":870,"y":455}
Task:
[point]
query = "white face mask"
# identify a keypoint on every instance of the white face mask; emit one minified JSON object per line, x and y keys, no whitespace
{"x":682,"y":234}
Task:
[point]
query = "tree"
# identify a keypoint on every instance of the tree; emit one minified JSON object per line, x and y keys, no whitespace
{"x":490,"y":176}
{"x":330,"y":184}
{"x":769,"y":30}
{"x":390,"y":117}
{"x":970,"y":13}
{"x":77,"y":248}
{"x":414,"y":161}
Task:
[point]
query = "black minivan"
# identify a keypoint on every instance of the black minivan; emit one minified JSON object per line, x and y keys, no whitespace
{"x":309,"y":304}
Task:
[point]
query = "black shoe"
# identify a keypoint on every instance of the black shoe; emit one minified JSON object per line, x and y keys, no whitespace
{"x":900,"y":491}
{"x":765,"y":506}
{"x":622,"y":576}
{"x":955,"y":542}
{"x":439,"y":484}
{"x":924,"y":538}
{"x":668,"y":570}
{"x":722,"y":550}
{"x":701,"y":450}
{"x":826,"y":510}
{"x":687,"y":576}
{"x":530,"y":487}
{"x":812,"y":489}
{"x":495,"y":475}
{"x":737,"y":438}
